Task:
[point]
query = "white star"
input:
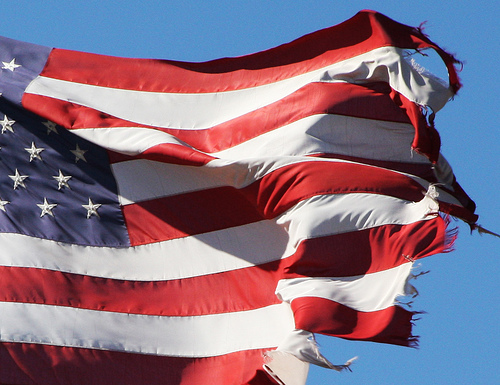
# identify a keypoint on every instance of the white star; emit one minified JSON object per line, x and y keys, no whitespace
{"x":46,"y":207}
{"x":11,"y":66}
{"x":79,"y":153}
{"x":92,"y":208}
{"x":18,"y":179}
{"x":51,"y":127}
{"x":2,"y":204}
{"x":34,"y":152}
{"x":62,"y":180}
{"x":7,"y":124}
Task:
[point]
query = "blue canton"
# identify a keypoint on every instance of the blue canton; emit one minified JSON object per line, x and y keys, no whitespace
{"x":55,"y":185}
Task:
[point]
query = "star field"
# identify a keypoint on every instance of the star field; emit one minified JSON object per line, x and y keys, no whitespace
{"x":55,"y":185}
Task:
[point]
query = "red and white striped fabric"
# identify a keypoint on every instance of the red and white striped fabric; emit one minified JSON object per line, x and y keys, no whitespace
{"x":264,"y":198}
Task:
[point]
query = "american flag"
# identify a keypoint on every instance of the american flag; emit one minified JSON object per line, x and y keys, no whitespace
{"x":194,"y":223}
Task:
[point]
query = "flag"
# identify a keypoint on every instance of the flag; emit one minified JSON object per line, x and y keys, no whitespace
{"x":192,"y":223}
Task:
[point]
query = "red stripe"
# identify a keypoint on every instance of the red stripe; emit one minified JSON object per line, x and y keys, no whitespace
{"x":188,"y":214}
{"x":71,"y":115}
{"x":280,"y":190}
{"x":209,"y":294}
{"x":215,"y":209}
{"x":459,"y":212}
{"x":365,"y":31}
{"x":319,"y":315}
{"x":422,"y":170}
{"x":370,"y":101}
{"x":166,"y":153}
{"x":376,"y":249}
{"x":30,"y":364}
{"x":426,"y":141}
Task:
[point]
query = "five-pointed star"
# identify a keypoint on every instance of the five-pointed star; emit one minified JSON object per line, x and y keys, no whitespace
{"x":34,"y":152}
{"x":46,"y":207}
{"x":79,"y":153}
{"x":51,"y":127}
{"x":7,"y":124}
{"x":92,"y":208}
{"x":2,"y":204}
{"x":11,"y":66}
{"x":62,"y":180}
{"x":18,"y":179}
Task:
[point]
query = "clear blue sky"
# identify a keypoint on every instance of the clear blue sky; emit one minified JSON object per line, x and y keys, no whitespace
{"x":460,"y":335}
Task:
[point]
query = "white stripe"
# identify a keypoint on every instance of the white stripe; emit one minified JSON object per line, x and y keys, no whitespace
{"x":215,"y":252}
{"x":324,"y":215}
{"x":334,"y":134}
{"x":127,"y":140}
{"x":201,"y":336}
{"x":165,"y":179}
{"x":218,"y":251}
{"x":370,"y":292}
{"x":204,"y":110}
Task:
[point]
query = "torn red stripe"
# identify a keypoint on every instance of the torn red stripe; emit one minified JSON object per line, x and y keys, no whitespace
{"x":377,"y":249}
{"x":318,"y":315}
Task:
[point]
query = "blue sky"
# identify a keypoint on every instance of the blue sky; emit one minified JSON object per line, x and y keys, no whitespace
{"x":460,"y":334}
